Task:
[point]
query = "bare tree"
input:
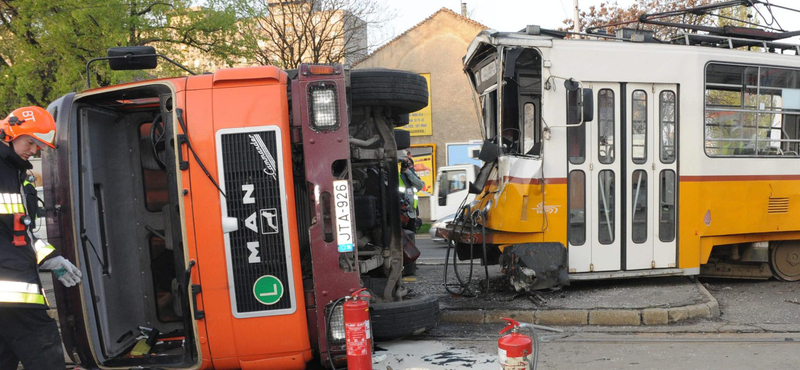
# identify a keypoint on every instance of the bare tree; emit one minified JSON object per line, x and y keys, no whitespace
{"x":289,"y":32}
{"x":608,"y":13}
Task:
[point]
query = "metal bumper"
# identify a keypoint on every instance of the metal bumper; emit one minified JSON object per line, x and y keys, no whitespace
{"x":536,"y":266}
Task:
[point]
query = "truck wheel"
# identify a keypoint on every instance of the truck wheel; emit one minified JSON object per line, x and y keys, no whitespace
{"x":394,"y":320}
{"x":404,"y":92}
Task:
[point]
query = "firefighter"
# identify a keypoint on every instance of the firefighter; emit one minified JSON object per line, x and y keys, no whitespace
{"x":409,"y":183}
{"x":27,"y":333}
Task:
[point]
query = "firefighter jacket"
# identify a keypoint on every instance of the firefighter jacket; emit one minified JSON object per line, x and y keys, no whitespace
{"x":409,"y":185}
{"x":19,"y":264}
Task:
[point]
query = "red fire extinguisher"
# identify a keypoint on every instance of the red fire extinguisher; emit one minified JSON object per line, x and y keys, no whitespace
{"x":358,"y":338}
{"x":515,"y":350}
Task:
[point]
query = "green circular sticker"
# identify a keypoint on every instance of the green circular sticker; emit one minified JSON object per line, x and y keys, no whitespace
{"x":268,"y":290}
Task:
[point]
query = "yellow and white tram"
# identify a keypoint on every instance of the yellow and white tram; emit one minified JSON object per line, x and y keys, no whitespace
{"x":638,"y":158}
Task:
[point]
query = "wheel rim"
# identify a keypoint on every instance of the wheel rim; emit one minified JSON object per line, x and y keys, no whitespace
{"x":785,"y":261}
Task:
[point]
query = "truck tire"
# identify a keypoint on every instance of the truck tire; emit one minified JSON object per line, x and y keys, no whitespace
{"x":404,"y":92}
{"x":394,"y":320}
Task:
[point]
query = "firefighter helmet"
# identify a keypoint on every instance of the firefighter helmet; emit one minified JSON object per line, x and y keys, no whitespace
{"x":32,"y":121}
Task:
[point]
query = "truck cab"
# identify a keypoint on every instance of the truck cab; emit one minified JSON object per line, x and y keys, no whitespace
{"x":215,"y":216}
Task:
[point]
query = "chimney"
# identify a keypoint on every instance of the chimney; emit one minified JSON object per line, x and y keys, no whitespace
{"x":463,"y":9}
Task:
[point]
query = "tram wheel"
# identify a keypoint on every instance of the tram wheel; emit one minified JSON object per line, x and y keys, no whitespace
{"x":784,"y":259}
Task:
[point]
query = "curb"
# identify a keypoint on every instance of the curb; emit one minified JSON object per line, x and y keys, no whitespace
{"x":600,"y":317}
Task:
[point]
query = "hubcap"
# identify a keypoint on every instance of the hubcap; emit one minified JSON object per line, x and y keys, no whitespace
{"x":786,"y":260}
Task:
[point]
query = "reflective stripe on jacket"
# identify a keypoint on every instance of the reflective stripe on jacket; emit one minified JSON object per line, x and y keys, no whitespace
{"x":11,"y":203}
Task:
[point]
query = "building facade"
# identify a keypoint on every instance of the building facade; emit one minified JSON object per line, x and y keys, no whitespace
{"x":434,"y":48}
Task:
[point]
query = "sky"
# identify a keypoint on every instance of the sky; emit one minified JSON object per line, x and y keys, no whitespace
{"x":513,"y":15}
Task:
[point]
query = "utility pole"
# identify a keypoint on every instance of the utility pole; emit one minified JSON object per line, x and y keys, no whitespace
{"x":576,"y":21}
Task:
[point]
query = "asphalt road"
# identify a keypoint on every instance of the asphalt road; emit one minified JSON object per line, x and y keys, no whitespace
{"x":601,"y":351}
{"x":430,"y":252}
{"x":759,"y":328}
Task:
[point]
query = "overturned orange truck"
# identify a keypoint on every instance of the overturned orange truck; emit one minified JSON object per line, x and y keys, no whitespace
{"x":220,"y":219}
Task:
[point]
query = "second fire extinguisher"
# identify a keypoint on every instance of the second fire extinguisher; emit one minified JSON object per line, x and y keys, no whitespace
{"x":515,"y":350}
{"x":358,"y":337}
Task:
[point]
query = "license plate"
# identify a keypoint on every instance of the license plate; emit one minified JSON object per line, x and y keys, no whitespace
{"x":344,"y":224}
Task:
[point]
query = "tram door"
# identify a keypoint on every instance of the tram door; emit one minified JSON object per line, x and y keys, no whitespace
{"x":593,"y":185}
{"x":650,"y":174}
{"x":622,"y":180}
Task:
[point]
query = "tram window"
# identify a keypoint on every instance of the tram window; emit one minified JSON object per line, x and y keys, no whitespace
{"x":528,"y":120}
{"x":606,"y":215}
{"x":666,"y":212}
{"x":667,"y":118}
{"x":576,"y":144}
{"x":752,"y":111}
{"x":577,"y":208}
{"x":605,"y":122}
{"x":639,"y":206}
{"x":639,"y":127}
{"x":489,"y":109}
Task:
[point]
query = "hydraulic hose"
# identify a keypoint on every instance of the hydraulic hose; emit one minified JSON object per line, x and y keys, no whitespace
{"x":457,"y":232}
{"x":458,"y":229}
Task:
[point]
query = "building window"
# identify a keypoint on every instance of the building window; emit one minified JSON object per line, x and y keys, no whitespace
{"x":752,"y":111}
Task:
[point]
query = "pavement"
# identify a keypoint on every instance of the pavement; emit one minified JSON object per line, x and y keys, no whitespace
{"x":629,"y":302}
{"x":600,"y":351}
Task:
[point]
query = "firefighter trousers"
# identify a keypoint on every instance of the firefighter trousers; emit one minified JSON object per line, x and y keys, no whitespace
{"x":31,"y":336}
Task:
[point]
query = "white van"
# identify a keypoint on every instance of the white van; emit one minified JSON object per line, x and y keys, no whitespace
{"x":450,"y":189}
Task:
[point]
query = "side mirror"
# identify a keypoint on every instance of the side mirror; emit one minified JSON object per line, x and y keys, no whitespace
{"x":473,"y":189}
{"x":402,"y":138}
{"x":134,"y":58}
{"x":580,"y":106}
{"x":588,"y":105}
{"x":489,"y":152}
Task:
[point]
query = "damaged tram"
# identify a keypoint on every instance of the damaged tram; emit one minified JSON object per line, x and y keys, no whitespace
{"x":618,"y":156}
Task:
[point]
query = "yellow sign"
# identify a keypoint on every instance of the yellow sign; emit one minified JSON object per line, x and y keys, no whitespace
{"x":423,"y":167}
{"x":419,"y":122}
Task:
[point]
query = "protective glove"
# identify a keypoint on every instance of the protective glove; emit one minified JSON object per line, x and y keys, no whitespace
{"x":65,"y":271}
